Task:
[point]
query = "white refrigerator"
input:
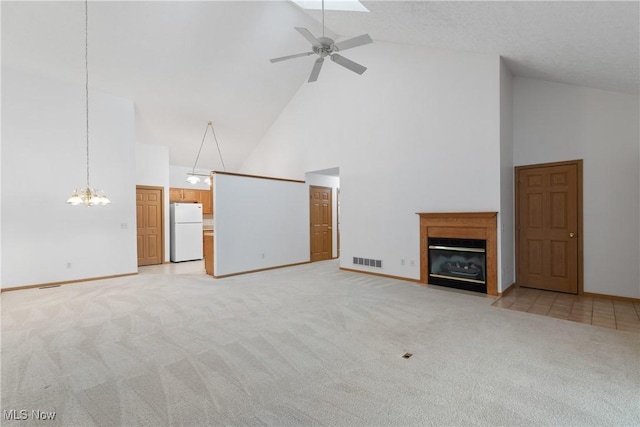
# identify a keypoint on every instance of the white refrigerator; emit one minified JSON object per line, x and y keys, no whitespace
{"x":186,"y":231}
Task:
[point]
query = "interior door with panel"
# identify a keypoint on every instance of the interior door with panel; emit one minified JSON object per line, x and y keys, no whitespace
{"x":320,"y":223}
{"x":149,"y":225}
{"x":548,"y":207}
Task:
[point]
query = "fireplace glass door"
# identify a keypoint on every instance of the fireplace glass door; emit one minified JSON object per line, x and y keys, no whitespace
{"x":458,"y":263}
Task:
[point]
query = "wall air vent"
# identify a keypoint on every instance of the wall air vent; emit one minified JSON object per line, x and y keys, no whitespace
{"x":368,"y":262}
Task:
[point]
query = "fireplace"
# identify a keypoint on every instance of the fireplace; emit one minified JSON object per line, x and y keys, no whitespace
{"x":458,"y":263}
{"x":460,"y":249}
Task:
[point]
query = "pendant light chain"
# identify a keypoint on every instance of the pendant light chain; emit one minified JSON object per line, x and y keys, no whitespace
{"x":86,"y":69}
{"x":209,"y":125}
{"x":193,"y":170}
{"x":193,"y":177}
{"x":218,"y":145}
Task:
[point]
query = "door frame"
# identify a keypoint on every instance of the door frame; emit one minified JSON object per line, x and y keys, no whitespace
{"x":162,"y":229}
{"x":580,"y":254}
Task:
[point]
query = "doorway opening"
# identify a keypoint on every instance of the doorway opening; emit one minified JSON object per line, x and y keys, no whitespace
{"x":324,"y":213}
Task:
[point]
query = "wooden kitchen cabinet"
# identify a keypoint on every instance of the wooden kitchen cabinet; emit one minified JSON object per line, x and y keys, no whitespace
{"x":206,"y":198}
{"x":175,"y":195}
{"x":184,"y":195}
{"x":189,"y":195}
{"x":207,"y":245}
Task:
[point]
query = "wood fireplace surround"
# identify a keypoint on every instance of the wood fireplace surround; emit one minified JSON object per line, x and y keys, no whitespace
{"x":462,"y":225}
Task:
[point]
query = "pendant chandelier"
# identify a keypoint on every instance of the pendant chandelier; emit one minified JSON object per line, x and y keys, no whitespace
{"x":193,"y":177}
{"x":87,"y":196}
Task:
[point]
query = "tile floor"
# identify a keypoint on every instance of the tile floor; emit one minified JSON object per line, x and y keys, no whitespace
{"x":188,"y":267}
{"x":614,"y":314}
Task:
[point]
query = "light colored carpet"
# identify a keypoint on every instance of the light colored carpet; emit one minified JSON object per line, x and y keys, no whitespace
{"x":307,"y":345}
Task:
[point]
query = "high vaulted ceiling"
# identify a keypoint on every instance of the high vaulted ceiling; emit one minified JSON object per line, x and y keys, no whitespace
{"x":184,"y":63}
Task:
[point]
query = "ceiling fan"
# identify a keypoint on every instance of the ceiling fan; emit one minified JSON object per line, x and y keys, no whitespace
{"x":324,"y":46}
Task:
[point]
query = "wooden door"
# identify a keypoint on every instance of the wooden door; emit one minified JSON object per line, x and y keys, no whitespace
{"x":149,"y":219}
{"x":549,"y":226}
{"x":321,"y":223}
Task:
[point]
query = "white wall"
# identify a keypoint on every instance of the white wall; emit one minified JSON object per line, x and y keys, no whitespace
{"x":506,"y":228}
{"x":259,"y":223}
{"x":334,"y":183}
{"x":1,"y":105}
{"x":43,"y":139}
{"x":417,"y":132}
{"x":152,"y":168}
{"x":555,"y":122}
{"x":178,"y":177}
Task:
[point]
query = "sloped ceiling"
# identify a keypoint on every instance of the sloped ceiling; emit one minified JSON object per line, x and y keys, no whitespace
{"x":184,"y":63}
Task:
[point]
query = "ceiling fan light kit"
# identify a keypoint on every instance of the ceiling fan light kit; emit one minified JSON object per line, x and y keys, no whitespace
{"x":325,"y":46}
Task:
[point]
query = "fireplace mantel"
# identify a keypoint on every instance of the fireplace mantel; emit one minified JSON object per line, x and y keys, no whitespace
{"x":462,"y":225}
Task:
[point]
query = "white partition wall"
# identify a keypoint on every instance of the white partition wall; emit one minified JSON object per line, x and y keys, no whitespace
{"x":259,"y":223}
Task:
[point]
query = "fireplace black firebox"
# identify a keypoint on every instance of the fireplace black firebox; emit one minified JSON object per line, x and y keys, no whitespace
{"x":458,"y":263}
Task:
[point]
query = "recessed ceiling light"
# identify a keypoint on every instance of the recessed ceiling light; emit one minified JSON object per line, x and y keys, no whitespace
{"x":345,"y":5}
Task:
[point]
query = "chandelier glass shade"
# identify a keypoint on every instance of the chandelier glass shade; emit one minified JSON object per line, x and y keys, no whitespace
{"x":192,"y":179}
{"x":87,"y":196}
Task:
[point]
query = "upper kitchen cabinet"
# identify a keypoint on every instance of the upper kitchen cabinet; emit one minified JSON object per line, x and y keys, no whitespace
{"x":206,"y":198}
{"x":190,"y":195}
{"x":175,"y":195}
{"x":184,"y":195}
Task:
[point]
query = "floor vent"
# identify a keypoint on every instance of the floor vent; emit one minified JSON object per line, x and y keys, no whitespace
{"x":50,"y":286}
{"x":368,"y":262}
{"x":407,"y":355}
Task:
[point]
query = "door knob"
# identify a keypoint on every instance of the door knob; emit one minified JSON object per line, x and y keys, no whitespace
{"x":329,"y":228}
{"x":572,"y":235}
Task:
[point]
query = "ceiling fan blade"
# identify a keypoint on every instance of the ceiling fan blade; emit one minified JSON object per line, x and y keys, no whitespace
{"x":349,"y":64}
{"x":284,"y":58}
{"x":354,"y":42}
{"x":316,"y":70}
{"x":307,"y":35}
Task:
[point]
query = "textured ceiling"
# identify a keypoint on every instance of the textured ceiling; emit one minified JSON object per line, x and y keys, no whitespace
{"x":588,"y":43}
{"x":184,"y":63}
